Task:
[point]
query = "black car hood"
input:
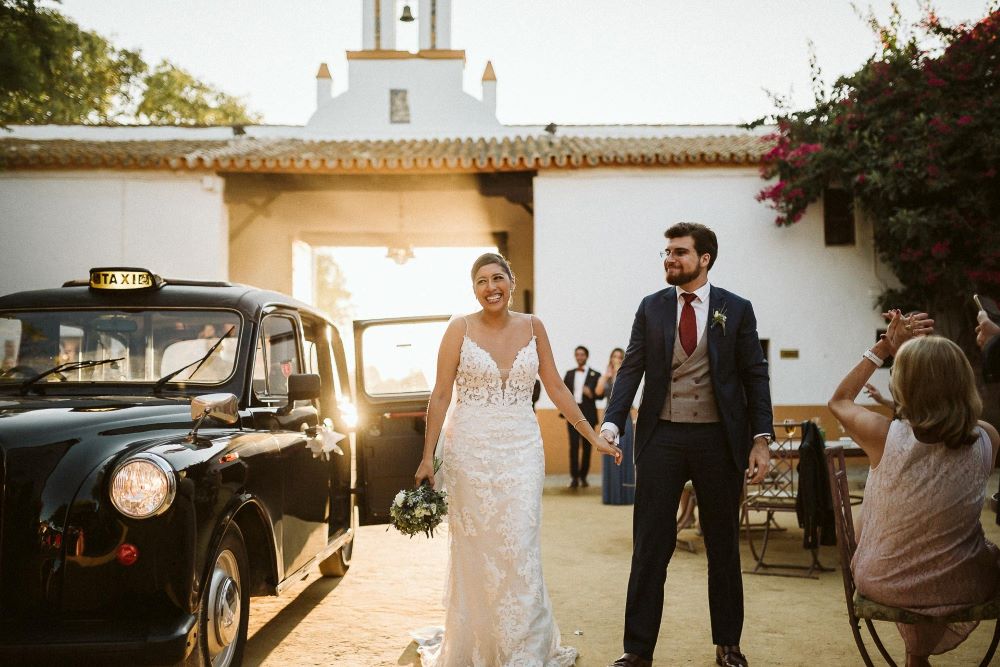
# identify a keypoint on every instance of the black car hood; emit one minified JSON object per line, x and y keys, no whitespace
{"x":32,"y":421}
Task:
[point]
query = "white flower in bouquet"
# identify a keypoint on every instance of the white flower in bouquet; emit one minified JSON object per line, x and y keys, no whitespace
{"x":419,"y":510}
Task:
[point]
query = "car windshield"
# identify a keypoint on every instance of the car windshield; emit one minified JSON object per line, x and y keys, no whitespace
{"x":138,"y":345}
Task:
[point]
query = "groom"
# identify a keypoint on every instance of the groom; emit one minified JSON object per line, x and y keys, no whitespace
{"x":705,"y":416}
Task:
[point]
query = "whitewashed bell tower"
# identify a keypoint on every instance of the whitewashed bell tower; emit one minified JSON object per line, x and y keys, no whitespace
{"x":395,"y":94}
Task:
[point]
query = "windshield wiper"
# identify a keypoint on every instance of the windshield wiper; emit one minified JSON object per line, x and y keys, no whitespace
{"x":170,"y":376}
{"x":69,"y":366}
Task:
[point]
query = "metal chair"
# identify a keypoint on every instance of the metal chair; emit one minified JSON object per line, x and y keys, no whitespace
{"x":687,"y":519}
{"x":777,"y":493}
{"x":860,"y":608}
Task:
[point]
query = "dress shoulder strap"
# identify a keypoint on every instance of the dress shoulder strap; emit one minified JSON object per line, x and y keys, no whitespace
{"x":531,"y":323}
{"x":465,"y":317}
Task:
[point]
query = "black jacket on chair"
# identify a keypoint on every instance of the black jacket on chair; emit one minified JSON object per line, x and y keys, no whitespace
{"x":814,"y":502}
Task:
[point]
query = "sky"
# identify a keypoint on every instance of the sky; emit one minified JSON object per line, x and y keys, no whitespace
{"x":568,"y":62}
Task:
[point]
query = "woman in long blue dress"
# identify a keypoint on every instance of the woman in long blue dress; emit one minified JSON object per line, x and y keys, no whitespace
{"x":617,"y":481}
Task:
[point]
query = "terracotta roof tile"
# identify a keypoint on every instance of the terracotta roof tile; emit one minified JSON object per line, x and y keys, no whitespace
{"x":247,"y":154}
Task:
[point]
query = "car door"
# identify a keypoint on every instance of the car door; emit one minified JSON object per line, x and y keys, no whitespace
{"x":396,"y":364}
{"x":305,"y":479}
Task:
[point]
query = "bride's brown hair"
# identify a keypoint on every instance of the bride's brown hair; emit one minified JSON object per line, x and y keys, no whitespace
{"x":492,"y":258}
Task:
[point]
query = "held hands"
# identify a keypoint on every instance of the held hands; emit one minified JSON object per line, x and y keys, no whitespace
{"x":605,"y":444}
{"x":759,"y":462}
{"x":425,"y":471}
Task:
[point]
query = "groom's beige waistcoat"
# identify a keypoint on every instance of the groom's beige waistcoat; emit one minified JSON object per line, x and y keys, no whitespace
{"x":691,"y":398}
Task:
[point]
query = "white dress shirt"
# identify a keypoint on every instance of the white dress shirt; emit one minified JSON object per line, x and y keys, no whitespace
{"x":579,"y":379}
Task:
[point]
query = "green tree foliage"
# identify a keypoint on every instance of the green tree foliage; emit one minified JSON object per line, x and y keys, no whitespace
{"x":21,"y":25}
{"x":61,"y":74}
{"x":914,"y":135}
{"x":52,"y":71}
{"x":174,"y":97}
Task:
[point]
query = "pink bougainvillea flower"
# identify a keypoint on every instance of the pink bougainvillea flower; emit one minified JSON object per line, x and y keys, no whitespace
{"x":941,"y":249}
{"x":939,"y":125}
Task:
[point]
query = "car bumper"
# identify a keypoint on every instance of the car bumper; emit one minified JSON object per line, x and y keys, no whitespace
{"x":160,"y":642}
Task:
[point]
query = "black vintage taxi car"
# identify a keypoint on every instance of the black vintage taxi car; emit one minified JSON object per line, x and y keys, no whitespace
{"x":168,"y":449}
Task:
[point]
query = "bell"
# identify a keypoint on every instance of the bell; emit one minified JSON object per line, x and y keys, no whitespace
{"x":407,"y":14}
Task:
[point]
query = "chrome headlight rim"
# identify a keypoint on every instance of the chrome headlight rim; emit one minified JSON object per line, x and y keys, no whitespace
{"x":168,"y":473}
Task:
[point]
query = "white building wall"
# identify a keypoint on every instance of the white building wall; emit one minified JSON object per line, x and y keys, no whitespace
{"x":438,"y":106}
{"x":597,"y":238}
{"x":57,"y":225}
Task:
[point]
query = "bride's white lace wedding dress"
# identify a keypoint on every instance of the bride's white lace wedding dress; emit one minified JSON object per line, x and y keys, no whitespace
{"x":497,"y":610}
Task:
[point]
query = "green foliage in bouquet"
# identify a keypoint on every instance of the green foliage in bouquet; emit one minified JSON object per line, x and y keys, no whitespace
{"x":914,"y":137}
{"x":419,"y":510}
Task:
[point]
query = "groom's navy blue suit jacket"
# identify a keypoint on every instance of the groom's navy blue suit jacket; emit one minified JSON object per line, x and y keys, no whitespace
{"x":736,"y":360}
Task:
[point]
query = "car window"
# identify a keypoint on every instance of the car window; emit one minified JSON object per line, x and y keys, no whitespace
{"x":276,"y":357}
{"x":140,"y":345}
{"x":401,"y":357}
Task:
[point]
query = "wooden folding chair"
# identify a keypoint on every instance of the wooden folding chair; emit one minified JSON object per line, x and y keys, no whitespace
{"x":860,"y":608}
{"x":777,"y":493}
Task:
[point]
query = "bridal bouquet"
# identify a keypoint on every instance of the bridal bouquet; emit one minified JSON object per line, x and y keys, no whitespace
{"x":419,"y":510}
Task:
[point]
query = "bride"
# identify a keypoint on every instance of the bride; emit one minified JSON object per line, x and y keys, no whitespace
{"x":497,"y":609}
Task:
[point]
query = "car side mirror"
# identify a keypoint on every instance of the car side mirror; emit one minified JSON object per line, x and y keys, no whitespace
{"x":302,"y":387}
{"x":224,"y":407}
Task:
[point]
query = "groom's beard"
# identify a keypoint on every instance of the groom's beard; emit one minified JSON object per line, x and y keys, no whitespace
{"x":682,"y":278}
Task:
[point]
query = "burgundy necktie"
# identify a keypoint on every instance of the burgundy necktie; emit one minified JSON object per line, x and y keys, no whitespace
{"x":688,"y":328}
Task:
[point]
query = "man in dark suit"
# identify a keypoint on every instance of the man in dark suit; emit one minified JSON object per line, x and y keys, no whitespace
{"x":582,"y":383}
{"x":706,"y":417}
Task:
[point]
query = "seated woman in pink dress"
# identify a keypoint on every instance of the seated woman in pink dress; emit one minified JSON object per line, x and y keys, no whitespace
{"x":920,"y":544}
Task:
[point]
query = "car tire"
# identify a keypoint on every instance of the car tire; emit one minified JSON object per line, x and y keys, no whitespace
{"x":224,"y":612}
{"x":337,"y":563}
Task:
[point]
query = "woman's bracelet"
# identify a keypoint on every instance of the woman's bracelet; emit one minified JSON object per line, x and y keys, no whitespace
{"x":874,"y":358}
{"x":581,"y":419}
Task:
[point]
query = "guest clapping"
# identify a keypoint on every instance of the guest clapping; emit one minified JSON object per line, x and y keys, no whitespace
{"x":921,"y":546}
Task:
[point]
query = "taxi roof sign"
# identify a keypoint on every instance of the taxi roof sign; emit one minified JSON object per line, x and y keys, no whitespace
{"x":123,"y":278}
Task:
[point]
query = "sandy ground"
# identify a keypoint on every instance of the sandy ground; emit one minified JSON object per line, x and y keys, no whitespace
{"x":395,"y":585}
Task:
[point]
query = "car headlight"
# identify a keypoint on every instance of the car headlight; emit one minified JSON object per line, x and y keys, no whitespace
{"x":143,"y":486}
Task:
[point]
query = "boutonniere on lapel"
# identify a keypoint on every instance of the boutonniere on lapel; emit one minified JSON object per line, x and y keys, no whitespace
{"x":719,"y":319}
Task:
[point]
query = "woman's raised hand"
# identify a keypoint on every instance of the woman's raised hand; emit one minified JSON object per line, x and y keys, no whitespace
{"x":904,"y":327}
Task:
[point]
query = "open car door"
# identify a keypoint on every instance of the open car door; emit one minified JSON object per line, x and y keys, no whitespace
{"x":396,"y":362}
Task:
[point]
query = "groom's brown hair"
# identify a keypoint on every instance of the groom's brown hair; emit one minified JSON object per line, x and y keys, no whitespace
{"x":704,"y":238}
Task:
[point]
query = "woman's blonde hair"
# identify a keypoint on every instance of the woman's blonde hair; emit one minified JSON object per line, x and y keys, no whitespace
{"x":935,"y":390}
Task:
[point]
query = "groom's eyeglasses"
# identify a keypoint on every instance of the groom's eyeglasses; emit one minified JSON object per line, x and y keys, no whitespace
{"x":680,"y":252}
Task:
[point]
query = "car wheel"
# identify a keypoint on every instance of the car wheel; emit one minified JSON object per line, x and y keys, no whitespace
{"x":225,"y":605}
{"x":337,"y":563}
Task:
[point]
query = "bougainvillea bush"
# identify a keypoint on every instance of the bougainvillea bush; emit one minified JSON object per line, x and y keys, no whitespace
{"x":914,"y":135}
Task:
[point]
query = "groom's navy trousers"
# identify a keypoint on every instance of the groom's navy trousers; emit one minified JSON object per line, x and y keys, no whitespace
{"x":675,"y":453}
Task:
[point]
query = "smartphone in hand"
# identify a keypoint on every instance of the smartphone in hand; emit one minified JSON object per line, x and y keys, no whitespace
{"x":988,"y":306}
